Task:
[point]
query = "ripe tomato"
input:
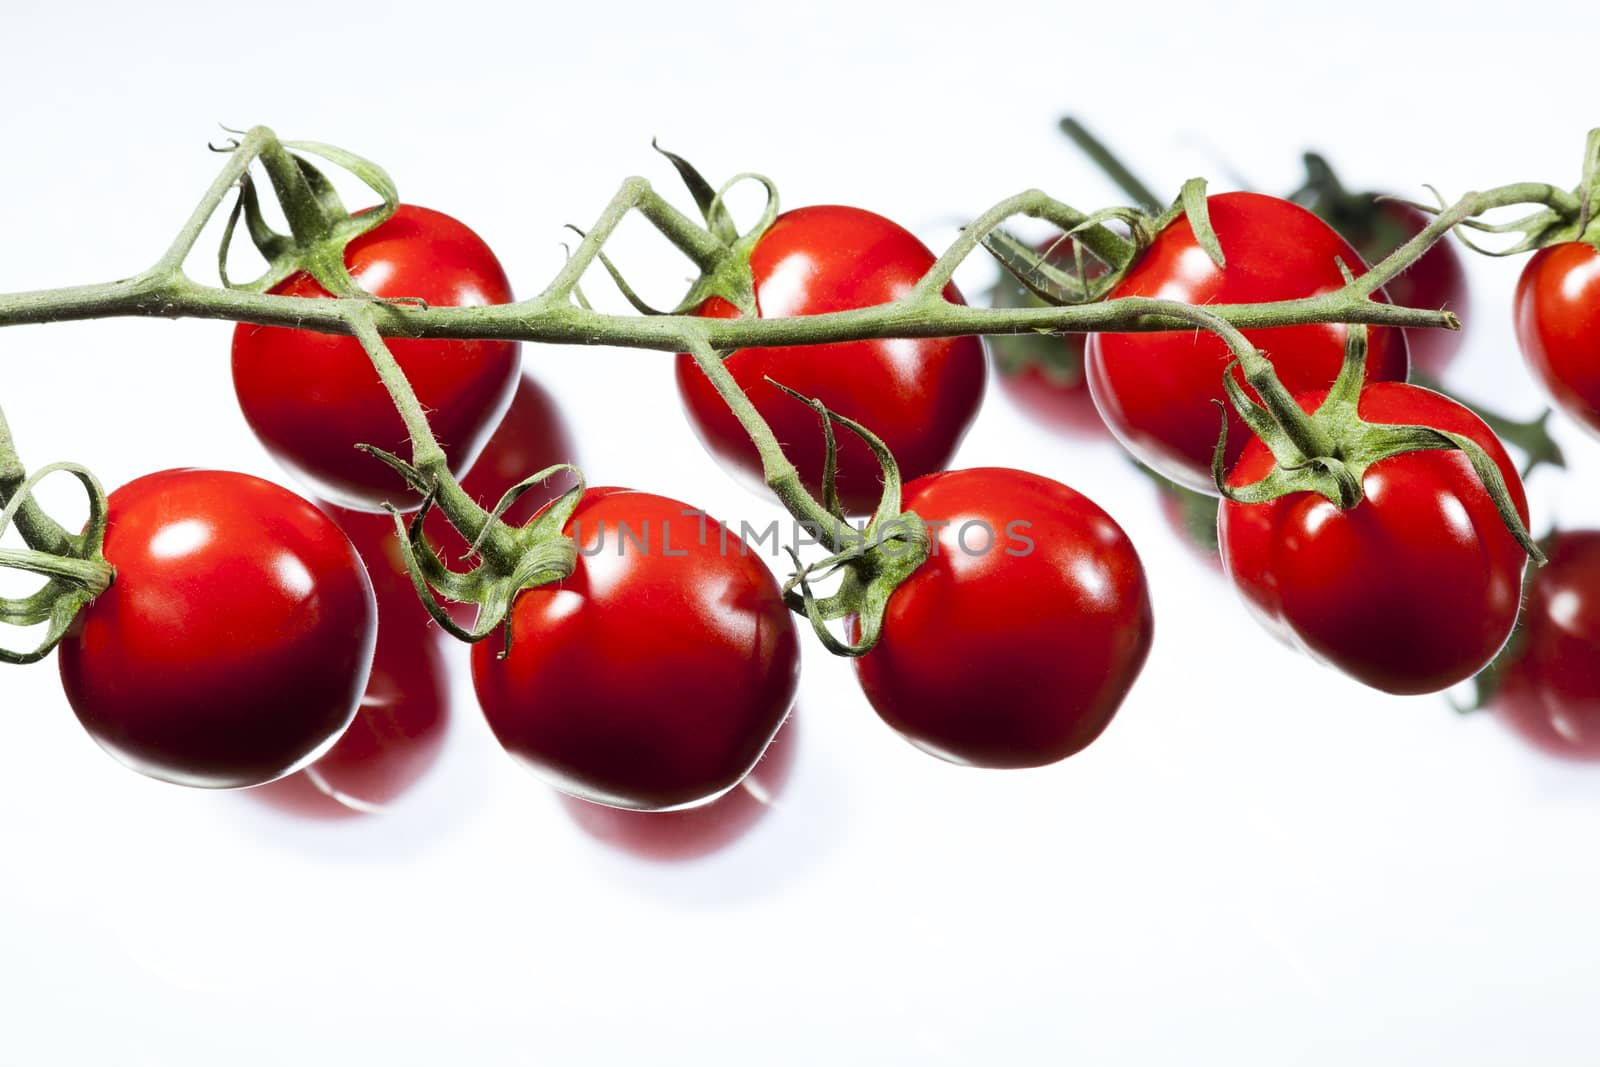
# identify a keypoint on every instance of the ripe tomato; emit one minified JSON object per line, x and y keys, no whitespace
{"x":654,"y":676}
{"x":690,"y":833}
{"x":1411,"y":591}
{"x":1154,"y":389}
{"x":1015,"y":642}
{"x":918,"y":395}
{"x":1557,"y":314}
{"x":235,"y":642}
{"x":1438,"y":279}
{"x":395,"y":737}
{"x":1547,"y":688}
{"x":312,"y":397}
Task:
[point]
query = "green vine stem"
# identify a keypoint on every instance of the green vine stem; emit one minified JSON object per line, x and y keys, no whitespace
{"x":560,"y":315}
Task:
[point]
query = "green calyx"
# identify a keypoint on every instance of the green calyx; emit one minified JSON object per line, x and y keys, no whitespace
{"x":718,"y":248}
{"x":509,"y":559}
{"x":73,"y":565}
{"x":871,"y":561}
{"x":1328,"y":451}
{"x":1100,"y":257}
{"x":319,"y":226}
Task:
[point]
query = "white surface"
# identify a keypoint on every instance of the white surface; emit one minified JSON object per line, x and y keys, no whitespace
{"x":1302,"y":872}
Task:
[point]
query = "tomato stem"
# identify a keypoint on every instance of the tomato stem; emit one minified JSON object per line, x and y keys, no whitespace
{"x":1114,"y":168}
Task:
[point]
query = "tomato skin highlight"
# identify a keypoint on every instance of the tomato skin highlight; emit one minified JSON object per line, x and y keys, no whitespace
{"x":1557,"y":316}
{"x":235,"y":642}
{"x":1548,"y":687}
{"x":1413,"y":590}
{"x":648,"y":679}
{"x":919,"y":396}
{"x":311,"y":397}
{"x":1154,"y":390}
{"x":971,"y":666}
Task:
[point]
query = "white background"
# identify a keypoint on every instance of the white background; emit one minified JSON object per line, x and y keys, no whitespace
{"x":1293,"y":870}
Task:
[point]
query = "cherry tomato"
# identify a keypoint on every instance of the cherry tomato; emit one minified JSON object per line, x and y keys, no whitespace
{"x":1014,"y":644}
{"x":918,"y":395}
{"x":235,"y":642}
{"x":312,"y":397}
{"x":1155,"y":389}
{"x":1547,"y":687}
{"x":652,"y":677}
{"x":395,"y":737}
{"x":1043,"y":373}
{"x":1557,"y":314}
{"x":690,"y":833}
{"x":1411,"y":591}
{"x":1438,"y":278}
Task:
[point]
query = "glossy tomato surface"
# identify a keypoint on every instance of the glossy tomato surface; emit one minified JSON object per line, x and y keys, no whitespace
{"x":1547,"y":687}
{"x":918,"y":395}
{"x":235,"y":642}
{"x":1155,"y":390}
{"x":1015,"y":643}
{"x":691,"y":833}
{"x":1411,"y":591}
{"x":312,"y":397}
{"x":1557,"y":314}
{"x":655,"y":675}
{"x":394,"y":739}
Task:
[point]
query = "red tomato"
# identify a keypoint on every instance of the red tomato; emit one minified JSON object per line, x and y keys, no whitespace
{"x":312,"y":397}
{"x":690,"y":833}
{"x":654,"y":676}
{"x":1015,"y":643}
{"x":1411,"y":591}
{"x":1437,"y":280}
{"x":919,"y":396}
{"x":235,"y":642}
{"x":1548,"y":686}
{"x":1155,"y":389}
{"x":1558,"y":326}
{"x":395,"y":737}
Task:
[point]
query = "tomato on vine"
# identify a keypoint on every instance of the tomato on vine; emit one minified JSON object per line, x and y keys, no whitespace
{"x":919,"y":396}
{"x":1413,"y":589}
{"x":1155,"y":390}
{"x":1015,"y":642}
{"x":655,"y":675}
{"x":235,"y":642}
{"x":311,"y":398}
{"x":1557,"y":315}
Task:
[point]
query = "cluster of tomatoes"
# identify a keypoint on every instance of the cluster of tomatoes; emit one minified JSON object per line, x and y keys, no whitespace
{"x":1012,"y":645}
{"x":1416,"y":589}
